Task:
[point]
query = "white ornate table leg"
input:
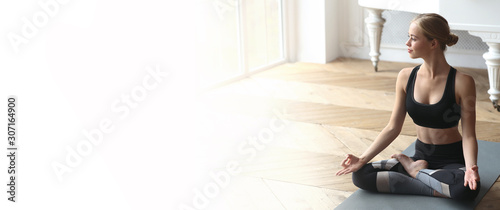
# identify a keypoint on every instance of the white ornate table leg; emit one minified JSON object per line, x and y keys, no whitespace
{"x":492,"y":58}
{"x":374,"y":23}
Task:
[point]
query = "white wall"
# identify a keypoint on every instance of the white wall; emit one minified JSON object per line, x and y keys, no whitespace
{"x":332,"y":28}
{"x":312,"y":29}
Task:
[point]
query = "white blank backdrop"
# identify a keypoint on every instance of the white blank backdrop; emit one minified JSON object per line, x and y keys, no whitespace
{"x":122,"y":66}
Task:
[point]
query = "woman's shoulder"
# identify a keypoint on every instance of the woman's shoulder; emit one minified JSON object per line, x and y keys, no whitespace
{"x":464,"y":84}
{"x":404,"y":74}
{"x":464,"y":80}
{"x":403,"y":77}
{"x":407,"y":70}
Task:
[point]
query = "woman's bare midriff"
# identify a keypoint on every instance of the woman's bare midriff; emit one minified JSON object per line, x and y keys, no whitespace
{"x":438,"y":136}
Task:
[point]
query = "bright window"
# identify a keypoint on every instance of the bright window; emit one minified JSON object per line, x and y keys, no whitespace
{"x":237,"y":37}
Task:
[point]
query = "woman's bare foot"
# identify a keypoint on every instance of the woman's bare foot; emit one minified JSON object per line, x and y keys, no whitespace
{"x":412,"y":167}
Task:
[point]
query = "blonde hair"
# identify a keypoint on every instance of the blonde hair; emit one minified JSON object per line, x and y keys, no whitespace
{"x":434,"y":26}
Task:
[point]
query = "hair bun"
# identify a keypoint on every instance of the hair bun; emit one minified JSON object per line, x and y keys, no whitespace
{"x":452,"y":39}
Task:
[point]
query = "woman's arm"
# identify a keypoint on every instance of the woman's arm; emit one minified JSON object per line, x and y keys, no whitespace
{"x":393,"y":128}
{"x":467,"y":99}
{"x":352,"y":163}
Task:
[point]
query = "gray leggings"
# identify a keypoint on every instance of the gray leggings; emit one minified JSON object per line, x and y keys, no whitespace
{"x":445,"y":174}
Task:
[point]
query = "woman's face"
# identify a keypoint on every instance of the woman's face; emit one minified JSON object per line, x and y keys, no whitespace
{"x":418,"y":45}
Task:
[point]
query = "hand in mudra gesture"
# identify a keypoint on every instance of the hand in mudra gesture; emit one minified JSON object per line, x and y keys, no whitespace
{"x":350,"y":164}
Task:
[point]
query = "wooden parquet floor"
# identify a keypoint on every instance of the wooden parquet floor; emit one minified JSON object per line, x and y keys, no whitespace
{"x":289,"y":127}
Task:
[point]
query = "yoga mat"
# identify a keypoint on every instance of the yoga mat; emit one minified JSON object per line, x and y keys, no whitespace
{"x":489,"y":170}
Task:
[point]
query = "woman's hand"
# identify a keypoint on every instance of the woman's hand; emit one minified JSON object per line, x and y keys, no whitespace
{"x":351,"y":164}
{"x":471,"y":177}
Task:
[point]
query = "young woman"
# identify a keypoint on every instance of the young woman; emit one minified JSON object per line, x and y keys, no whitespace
{"x":436,"y":97}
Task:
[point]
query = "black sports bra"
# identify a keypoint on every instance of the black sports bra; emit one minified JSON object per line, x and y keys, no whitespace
{"x":443,"y":114}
